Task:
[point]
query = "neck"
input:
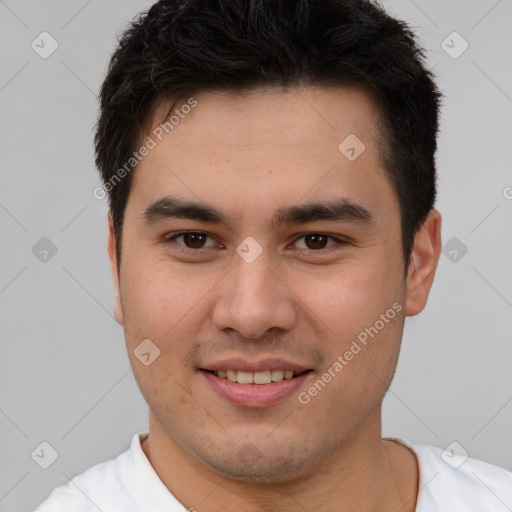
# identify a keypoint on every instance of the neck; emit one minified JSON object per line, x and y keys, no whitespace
{"x":366,"y":473}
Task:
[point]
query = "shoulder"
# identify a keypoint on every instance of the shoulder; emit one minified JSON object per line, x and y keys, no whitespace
{"x":101,"y":485}
{"x":458,"y":483}
{"x":127,"y":483}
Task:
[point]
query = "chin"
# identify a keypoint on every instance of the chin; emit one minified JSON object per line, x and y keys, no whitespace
{"x":265,"y":465}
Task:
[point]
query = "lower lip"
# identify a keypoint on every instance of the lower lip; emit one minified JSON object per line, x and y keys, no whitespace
{"x":255,"y":395}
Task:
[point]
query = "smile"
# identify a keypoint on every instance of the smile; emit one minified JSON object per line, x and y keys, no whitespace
{"x":263,"y":377}
{"x":257,"y":389}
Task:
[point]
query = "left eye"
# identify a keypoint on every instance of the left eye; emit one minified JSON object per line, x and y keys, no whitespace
{"x":316,"y":241}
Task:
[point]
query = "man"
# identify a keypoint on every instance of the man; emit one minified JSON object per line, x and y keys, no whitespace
{"x":271,"y":179}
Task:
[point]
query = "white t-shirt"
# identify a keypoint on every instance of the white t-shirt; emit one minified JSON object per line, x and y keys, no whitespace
{"x":129,"y":483}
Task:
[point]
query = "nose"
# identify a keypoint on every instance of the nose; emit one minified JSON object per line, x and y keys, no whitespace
{"x":252,"y":299}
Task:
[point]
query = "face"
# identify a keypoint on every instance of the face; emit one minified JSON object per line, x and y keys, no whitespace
{"x":255,"y":247}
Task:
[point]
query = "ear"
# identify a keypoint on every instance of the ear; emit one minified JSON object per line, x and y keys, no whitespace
{"x":423,"y":263}
{"x":112,"y":254}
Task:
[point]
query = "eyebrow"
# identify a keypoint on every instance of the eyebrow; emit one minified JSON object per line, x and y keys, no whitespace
{"x":338,"y":210}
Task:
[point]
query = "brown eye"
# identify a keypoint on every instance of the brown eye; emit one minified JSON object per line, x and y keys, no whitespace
{"x":316,"y":241}
{"x":194,"y":240}
{"x":191,"y":240}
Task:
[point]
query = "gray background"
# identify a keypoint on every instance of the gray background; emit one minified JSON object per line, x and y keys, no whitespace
{"x":64,"y":374}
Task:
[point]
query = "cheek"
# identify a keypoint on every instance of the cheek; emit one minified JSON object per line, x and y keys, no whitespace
{"x":363,"y":311}
{"x":349,"y":298}
{"x":359,"y":368}
{"x":159,"y":305}
{"x":158,"y":296}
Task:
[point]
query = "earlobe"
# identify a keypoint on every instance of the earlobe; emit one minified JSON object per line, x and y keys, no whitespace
{"x":112,"y":254}
{"x":423,"y":263}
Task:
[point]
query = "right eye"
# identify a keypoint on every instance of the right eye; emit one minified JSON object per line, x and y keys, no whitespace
{"x":192,"y":240}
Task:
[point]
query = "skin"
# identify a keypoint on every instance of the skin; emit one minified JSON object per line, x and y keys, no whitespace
{"x":247,"y":155}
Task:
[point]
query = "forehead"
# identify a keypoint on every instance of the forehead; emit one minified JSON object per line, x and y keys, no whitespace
{"x":265,"y":146}
{"x":257,"y":116}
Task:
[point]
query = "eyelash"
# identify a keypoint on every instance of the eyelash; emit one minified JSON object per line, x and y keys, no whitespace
{"x":172,"y":238}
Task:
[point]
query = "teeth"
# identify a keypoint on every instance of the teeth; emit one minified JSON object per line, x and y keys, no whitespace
{"x":245,"y":377}
{"x":277,"y":375}
{"x":265,"y":377}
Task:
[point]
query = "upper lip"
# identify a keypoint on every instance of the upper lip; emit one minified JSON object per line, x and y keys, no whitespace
{"x":255,"y":366}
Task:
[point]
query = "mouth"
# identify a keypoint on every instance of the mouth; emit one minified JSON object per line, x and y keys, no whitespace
{"x":258,"y":378}
{"x":255,"y":389}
